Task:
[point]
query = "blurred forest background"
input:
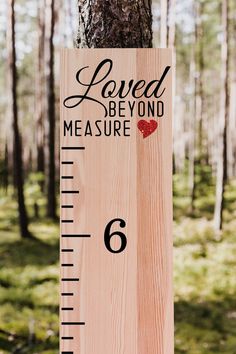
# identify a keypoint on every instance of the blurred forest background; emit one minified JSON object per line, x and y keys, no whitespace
{"x":202,"y":34}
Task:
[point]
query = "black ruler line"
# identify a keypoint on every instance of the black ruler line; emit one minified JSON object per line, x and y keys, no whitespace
{"x":67,"y":265}
{"x":67,"y":250}
{"x":67,"y":308}
{"x":67,"y":162}
{"x":67,"y":206}
{"x":75,"y":235}
{"x":73,"y":323}
{"x":67,"y":294}
{"x":67,"y":221}
{"x":69,"y":192}
{"x":73,"y":148}
{"x":67,"y":177}
{"x":67,"y":352}
{"x":70,"y":279}
{"x":67,"y":338}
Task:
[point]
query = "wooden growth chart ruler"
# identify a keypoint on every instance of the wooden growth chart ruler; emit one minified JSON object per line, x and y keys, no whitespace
{"x":116,"y":202}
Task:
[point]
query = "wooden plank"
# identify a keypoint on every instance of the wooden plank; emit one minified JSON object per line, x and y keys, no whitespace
{"x":122,"y":302}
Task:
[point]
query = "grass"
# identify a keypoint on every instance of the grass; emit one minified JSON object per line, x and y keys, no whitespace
{"x":28,"y":284}
{"x":204,"y":272}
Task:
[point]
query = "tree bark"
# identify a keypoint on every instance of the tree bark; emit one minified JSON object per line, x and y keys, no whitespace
{"x":221,"y":177}
{"x":40,"y":92}
{"x":17,"y":150}
{"x":50,"y":110}
{"x":114,"y":24}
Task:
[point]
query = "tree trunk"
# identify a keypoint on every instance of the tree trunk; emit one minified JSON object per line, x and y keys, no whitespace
{"x":50,"y":110}
{"x":4,"y":173}
{"x":196,"y":143}
{"x":192,"y":131}
{"x":115,"y":24}
{"x":40,"y":92}
{"x":18,"y":164}
{"x":221,"y":177}
{"x":232,"y":115}
{"x":170,"y":39}
{"x":164,"y":23}
{"x":201,"y":68}
{"x":6,"y":164}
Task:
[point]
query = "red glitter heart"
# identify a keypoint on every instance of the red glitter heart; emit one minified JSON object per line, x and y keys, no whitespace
{"x":147,"y":128}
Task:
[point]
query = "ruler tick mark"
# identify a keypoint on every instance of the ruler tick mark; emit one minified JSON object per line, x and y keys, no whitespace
{"x":73,"y":148}
{"x":67,"y":265}
{"x":67,"y":221}
{"x":67,"y":309}
{"x":67,"y":338}
{"x":75,"y":235}
{"x":70,"y":192}
{"x":67,"y":162}
{"x":67,"y":294}
{"x":73,"y":323}
{"x":67,"y":206}
{"x":67,"y":250}
{"x":67,"y":177}
{"x":67,"y":352}
{"x":70,"y":279}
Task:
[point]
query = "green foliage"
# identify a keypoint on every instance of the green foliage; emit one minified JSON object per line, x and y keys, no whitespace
{"x":205,"y":265}
{"x":204,"y":272}
{"x":28,"y":283}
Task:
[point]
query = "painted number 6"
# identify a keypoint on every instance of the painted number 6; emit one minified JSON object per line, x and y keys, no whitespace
{"x":108,"y":236}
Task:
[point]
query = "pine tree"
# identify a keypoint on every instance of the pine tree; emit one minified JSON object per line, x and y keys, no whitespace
{"x":115,"y":24}
{"x":50,"y":110}
{"x":17,"y":150}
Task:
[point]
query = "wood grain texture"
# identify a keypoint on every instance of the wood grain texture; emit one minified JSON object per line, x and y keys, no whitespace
{"x":125,"y":299}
